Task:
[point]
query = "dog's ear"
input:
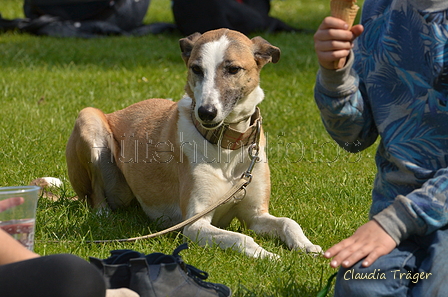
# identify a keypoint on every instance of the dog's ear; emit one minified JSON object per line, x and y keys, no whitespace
{"x":186,"y":45}
{"x":265,"y":52}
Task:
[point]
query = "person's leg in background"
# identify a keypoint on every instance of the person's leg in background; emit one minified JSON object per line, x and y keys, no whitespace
{"x":61,"y":275}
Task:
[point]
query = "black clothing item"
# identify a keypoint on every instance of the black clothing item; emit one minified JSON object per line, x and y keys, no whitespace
{"x":85,"y":18}
{"x":245,"y":16}
{"x":61,"y":275}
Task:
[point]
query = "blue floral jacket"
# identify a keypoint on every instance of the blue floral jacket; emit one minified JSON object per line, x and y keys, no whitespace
{"x":395,"y":86}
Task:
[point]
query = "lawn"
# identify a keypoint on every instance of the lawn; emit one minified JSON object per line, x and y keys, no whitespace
{"x":45,"y":82}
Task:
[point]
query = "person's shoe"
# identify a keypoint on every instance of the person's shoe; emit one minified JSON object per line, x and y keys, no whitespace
{"x":157,"y":275}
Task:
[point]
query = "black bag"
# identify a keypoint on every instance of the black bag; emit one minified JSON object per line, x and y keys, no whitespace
{"x":85,"y":18}
{"x":246,"y":16}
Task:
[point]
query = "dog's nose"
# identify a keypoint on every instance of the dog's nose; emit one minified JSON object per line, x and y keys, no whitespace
{"x":207,"y":113}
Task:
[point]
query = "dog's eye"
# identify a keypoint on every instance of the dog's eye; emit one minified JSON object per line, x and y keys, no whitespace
{"x":233,"y":70}
{"x":196,"y":70}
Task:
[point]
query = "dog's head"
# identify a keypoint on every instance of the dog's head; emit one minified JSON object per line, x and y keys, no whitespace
{"x":223,"y":74}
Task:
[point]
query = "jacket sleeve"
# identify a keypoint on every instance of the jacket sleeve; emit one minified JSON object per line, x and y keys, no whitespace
{"x":344,"y":110}
{"x":421,"y":212}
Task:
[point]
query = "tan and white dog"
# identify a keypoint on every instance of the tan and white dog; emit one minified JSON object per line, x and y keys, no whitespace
{"x":178,"y":158}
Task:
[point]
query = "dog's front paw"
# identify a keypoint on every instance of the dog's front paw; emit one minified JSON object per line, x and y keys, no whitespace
{"x":313,"y":249}
{"x":264,"y":254}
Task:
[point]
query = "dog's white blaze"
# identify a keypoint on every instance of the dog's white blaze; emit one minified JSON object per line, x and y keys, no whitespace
{"x":212,"y":55}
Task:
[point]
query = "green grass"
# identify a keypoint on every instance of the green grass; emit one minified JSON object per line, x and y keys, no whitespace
{"x":45,"y":82}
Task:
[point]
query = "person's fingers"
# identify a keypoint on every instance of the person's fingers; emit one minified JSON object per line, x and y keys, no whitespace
{"x":335,"y":249}
{"x":328,"y":53}
{"x":369,"y":242}
{"x":10,"y":202}
{"x":348,"y":256}
{"x":356,"y":254}
{"x":334,"y":23}
{"x":382,"y":249}
{"x":339,"y":252}
{"x":357,"y":30}
{"x":332,"y":45}
{"x":333,"y":41}
{"x":322,"y":36}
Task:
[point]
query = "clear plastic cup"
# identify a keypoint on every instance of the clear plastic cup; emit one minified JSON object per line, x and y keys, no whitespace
{"x":18,"y":212}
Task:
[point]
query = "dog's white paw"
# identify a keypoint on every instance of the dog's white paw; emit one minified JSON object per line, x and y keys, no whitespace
{"x":264,"y":254}
{"x":313,"y":249}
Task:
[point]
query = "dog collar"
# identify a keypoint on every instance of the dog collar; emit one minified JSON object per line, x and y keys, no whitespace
{"x":229,"y":138}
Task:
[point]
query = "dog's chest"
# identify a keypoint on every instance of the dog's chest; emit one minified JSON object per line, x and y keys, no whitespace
{"x":230,"y":164}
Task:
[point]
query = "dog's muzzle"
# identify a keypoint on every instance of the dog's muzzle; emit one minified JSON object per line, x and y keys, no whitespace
{"x":207,"y":114}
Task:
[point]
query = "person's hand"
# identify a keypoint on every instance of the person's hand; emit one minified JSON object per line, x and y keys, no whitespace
{"x":10,"y":202}
{"x":333,"y":41}
{"x":10,"y":249}
{"x":370,"y":241}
